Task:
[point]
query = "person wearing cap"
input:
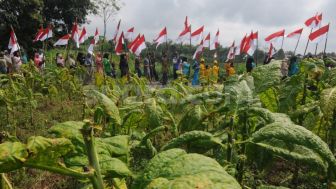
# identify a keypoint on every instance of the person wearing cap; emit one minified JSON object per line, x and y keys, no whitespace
{"x":202,"y":68}
{"x":3,"y":63}
{"x":215,"y":71}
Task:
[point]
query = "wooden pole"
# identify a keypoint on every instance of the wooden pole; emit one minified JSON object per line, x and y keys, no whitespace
{"x":256,"y":53}
{"x":304,"y":54}
{"x":283,"y":38}
{"x":326,"y":41}
{"x":297,"y":44}
{"x":316,"y":49}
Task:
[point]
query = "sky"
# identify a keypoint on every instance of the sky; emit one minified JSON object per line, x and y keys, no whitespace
{"x":233,"y":18}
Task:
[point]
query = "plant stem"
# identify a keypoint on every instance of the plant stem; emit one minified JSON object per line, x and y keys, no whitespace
{"x":230,"y":141}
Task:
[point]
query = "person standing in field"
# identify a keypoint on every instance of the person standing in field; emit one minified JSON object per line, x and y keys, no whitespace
{"x":164,"y":68}
{"x":196,"y":67}
{"x":293,"y":66}
{"x":284,"y":68}
{"x":17,"y":62}
{"x":99,"y":63}
{"x":3,"y":63}
{"x":186,"y":67}
{"x":107,"y":66}
{"x":123,"y":65}
{"x":146,"y":68}
{"x":250,"y":64}
{"x":8,"y":62}
{"x":89,"y":68}
{"x":229,"y":68}
{"x":215,"y":71}
{"x":175,"y":66}
{"x":137,"y":66}
{"x":153,"y":72}
{"x":202,"y":68}
{"x":37,"y":60}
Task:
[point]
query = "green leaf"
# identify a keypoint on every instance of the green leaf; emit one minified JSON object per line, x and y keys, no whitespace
{"x":267,"y":76}
{"x":328,"y":101}
{"x":193,"y":119}
{"x":175,"y":169}
{"x":12,"y":156}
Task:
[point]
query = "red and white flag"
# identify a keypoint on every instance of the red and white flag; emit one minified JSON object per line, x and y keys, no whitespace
{"x":75,"y":34}
{"x":314,"y":21}
{"x":186,"y":24}
{"x":276,"y":38}
{"x":161,"y":38}
{"x":96,"y":36}
{"x":251,"y":43}
{"x":295,"y":34}
{"x":63,"y":40}
{"x":38,"y":34}
{"x":13,"y":44}
{"x":272,"y":51}
{"x":319,"y":34}
{"x":120,"y":44}
{"x":215,"y":43}
{"x":129,"y":34}
{"x":231,"y":53}
{"x":131,"y":44}
{"x":206,"y":41}
{"x":116,"y":31}
{"x":139,"y":45}
{"x":91,"y":47}
{"x":199,"y":50}
{"x":184,"y":35}
{"x":197,"y":35}
{"x":240,"y":48}
{"x":82,"y":36}
{"x":47,"y":33}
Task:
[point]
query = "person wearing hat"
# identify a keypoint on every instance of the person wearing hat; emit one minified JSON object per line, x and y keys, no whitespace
{"x":215,"y":71}
{"x":3,"y":63}
{"x":202,"y":68}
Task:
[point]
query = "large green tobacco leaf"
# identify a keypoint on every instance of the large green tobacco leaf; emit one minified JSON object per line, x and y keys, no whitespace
{"x":289,"y":91}
{"x":193,"y":119}
{"x":12,"y":156}
{"x":267,"y":76}
{"x":175,"y":169}
{"x":47,"y":151}
{"x":328,"y":101}
{"x":154,"y":113}
{"x":198,"y":137}
{"x":108,"y":105}
{"x":294,"y":142}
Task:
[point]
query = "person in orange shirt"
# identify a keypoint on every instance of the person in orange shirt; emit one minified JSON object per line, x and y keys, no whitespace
{"x":215,"y":71}
{"x":202,"y":69}
{"x":229,"y":68}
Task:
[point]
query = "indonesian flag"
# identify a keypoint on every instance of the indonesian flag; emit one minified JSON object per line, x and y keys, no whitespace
{"x":82,"y":36}
{"x":120,"y":44}
{"x":75,"y":34}
{"x":161,"y":38}
{"x":251,"y":43}
{"x":38,"y":35}
{"x":314,"y":21}
{"x":215,"y":43}
{"x":63,"y":40}
{"x":116,"y":31}
{"x":130,"y":45}
{"x":91,"y":47}
{"x":197,"y":35}
{"x":96,"y":36}
{"x":129,"y":34}
{"x":186,"y":24}
{"x":272,"y":51}
{"x":47,"y":33}
{"x":240,"y":49}
{"x":295,"y":34}
{"x":319,"y":34}
{"x":206,"y":42}
{"x":139,"y":45}
{"x":184,"y":35}
{"x":13,"y":44}
{"x":231,"y":53}
{"x":199,"y":50}
{"x":275,"y":37}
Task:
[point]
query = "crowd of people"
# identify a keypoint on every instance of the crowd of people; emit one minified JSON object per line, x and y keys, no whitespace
{"x":198,"y":72}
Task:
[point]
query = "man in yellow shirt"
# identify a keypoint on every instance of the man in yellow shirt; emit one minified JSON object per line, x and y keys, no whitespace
{"x":202,"y":68}
{"x":215,"y":71}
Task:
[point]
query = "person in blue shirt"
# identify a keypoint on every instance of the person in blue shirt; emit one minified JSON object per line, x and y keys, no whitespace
{"x":185,"y":67}
{"x":293,"y":66}
{"x":196,"y":67}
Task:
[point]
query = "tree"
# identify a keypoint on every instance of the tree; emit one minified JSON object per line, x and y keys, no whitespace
{"x":107,"y":9}
{"x":24,"y":16}
{"x":64,"y":13}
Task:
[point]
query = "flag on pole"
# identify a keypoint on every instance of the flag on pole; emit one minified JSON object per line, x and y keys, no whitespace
{"x":251,"y":44}
{"x":130,"y":45}
{"x":314,"y":21}
{"x":13,"y":44}
{"x":272,"y":51}
{"x":96,"y":36}
{"x":215,"y":43}
{"x":240,"y":48}
{"x":184,"y":35}
{"x":38,"y":34}
{"x":197,"y":35}
{"x":82,"y":36}
{"x":275,"y":37}
{"x":295,"y":34}
{"x":161,"y":38}
{"x":47,"y":33}
{"x":129,"y":34}
{"x":139,"y":45}
{"x":75,"y":34}
{"x":319,"y":34}
{"x":63,"y":40}
{"x":120,"y":44}
{"x":199,"y":50}
{"x":91,"y":47}
{"x":116,"y":31}
{"x":231,"y":53}
{"x":206,"y":42}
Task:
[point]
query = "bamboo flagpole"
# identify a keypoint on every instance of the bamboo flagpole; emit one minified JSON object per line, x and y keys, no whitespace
{"x":304,"y":54}
{"x":297,"y":44}
{"x":256,"y":51}
{"x":326,"y":41}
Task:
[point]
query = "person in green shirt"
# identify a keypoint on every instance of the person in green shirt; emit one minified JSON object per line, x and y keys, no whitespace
{"x":107,"y":65}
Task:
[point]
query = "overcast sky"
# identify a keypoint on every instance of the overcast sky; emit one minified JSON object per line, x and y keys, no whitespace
{"x":233,"y":18}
